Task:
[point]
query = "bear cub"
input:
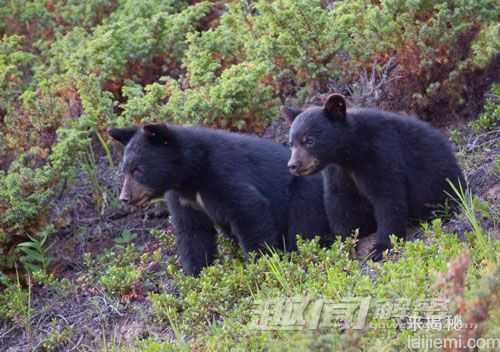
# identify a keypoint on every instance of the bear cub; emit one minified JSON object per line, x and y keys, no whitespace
{"x":219,"y":180}
{"x":381,"y":171}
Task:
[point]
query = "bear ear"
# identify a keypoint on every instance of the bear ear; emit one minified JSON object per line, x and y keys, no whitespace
{"x":156,"y":133}
{"x":289,"y":113}
{"x":122,"y":135}
{"x":335,"y":107}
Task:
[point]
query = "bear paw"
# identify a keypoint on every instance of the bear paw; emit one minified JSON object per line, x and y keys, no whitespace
{"x":377,"y":253}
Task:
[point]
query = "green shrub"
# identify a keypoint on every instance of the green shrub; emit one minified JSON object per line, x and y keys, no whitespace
{"x":129,"y":39}
{"x":15,"y":68}
{"x":119,"y":279}
{"x":15,"y":304}
{"x":490,"y":118}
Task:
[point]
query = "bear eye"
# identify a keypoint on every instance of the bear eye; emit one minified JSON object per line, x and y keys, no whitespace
{"x":308,"y":141}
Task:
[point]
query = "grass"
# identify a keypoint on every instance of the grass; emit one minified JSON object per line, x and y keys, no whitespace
{"x":467,"y":202}
{"x":35,"y":252}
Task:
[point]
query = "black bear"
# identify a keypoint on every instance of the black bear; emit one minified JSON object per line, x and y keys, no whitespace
{"x":381,"y":171}
{"x":213,"y":179}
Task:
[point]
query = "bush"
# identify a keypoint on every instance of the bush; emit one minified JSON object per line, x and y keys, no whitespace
{"x":490,"y":118}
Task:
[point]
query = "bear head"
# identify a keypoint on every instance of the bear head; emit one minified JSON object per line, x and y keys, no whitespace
{"x":318,"y":135}
{"x":149,"y":163}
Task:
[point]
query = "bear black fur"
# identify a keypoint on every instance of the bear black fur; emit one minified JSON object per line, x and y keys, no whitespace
{"x":212,"y":178}
{"x":381,"y":170}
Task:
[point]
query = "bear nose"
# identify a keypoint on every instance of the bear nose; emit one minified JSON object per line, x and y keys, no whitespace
{"x":293,"y":166}
{"x":124,"y":197}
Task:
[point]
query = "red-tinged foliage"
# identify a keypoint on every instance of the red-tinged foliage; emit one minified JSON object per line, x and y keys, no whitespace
{"x":474,"y":312}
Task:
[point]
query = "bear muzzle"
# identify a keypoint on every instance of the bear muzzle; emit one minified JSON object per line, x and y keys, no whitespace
{"x":134,"y":193}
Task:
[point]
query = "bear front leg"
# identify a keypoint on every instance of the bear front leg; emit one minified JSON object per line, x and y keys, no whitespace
{"x":348,"y":212}
{"x":195,"y":236}
{"x":346,"y":209}
{"x":386,"y":192}
{"x":392,"y":219}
